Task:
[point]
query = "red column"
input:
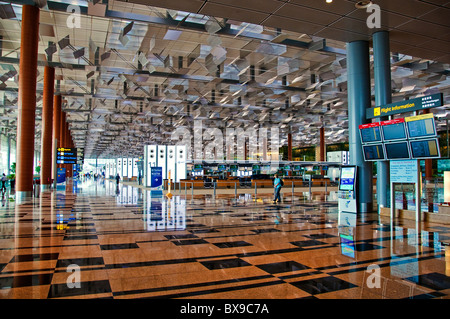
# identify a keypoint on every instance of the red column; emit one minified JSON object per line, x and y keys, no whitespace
{"x":322,"y":144}
{"x":322,"y":147}
{"x":56,"y":127}
{"x":62,"y":129}
{"x":27,"y":101}
{"x":289,"y":141}
{"x":47,"y":127}
{"x":289,"y":154}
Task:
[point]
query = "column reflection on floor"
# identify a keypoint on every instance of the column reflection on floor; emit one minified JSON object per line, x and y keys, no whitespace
{"x":130,"y":242}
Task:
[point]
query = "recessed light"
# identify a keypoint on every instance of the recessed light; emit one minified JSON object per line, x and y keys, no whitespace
{"x":363,"y":4}
{"x":329,"y":1}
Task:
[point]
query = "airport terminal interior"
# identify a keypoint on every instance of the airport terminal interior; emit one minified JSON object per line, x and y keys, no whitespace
{"x":223,"y":149}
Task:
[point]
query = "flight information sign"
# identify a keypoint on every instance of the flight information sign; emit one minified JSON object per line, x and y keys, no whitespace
{"x":399,"y":150}
{"x":420,"y":103}
{"x":373,"y":152}
{"x":66,"y":155}
{"x":393,"y":130}
{"x":425,"y":148}
{"x":421,"y":126}
{"x":370,"y":132}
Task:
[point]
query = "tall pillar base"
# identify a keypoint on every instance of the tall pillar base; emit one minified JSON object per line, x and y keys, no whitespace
{"x":23,"y":196}
{"x":46,"y":187}
{"x":365,"y":207}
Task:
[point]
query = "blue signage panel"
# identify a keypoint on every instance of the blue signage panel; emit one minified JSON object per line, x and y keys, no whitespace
{"x":156,"y":177}
{"x":61,"y":175}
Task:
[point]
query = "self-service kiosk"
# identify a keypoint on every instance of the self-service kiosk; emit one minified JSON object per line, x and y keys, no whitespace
{"x":149,"y":162}
{"x":347,"y":200}
{"x":119,"y":167}
{"x":124,"y":167}
{"x":171,"y":162}
{"x":180,"y":162}
{"x":162,"y":159}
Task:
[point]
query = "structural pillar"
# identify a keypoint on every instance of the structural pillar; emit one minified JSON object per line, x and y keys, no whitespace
{"x":358,"y":70}
{"x":27,"y":102}
{"x":383,"y":96}
{"x":429,"y":161}
{"x":47,"y":128}
{"x":322,"y":148}
{"x":56,"y":130}
{"x":289,"y":142}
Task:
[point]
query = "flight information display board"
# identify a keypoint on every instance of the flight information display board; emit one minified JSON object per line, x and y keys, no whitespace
{"x":373,"y":152}
{"x":425,"y":148}
{"x":393,"y":130}
{"x":347,"y":178}
{"x":401,"y":139}
{"x":421,"y":126}
{"x":399,"y":150}
{"x":370,"y":133}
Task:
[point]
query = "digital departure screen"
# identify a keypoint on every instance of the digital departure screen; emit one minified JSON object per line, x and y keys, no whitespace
{"x":421,"y":126}
{"x":425,"y":148}
{"x":221,"y":168}
{"x":198,"y":167}
{"x":373,"y":152}
{"x":347,"y":178}
{"x":233,"y":168}
{"x":393,"y":130}
{"x":398,"y":150}
{"x":370,"y":133}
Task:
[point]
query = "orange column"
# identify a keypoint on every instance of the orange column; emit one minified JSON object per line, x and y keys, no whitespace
{"x":27,"y":101}
{"x":289,"y":141}
{"x":62,"y":133}
{"x":67,"y":144}
{"x":289,"y":154}
{"x":47,"y":127}
{"x":56,"y":127}
{"x":62,"y":130}
{"x":322,"y":147}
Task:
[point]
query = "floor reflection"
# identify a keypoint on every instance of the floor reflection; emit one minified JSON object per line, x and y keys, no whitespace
{"x":131,"y":242}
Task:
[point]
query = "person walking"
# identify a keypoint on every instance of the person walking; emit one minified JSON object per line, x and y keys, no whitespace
{"x":4,"y":179}
{"x":117,"y":179}
{"x":277,"y":183}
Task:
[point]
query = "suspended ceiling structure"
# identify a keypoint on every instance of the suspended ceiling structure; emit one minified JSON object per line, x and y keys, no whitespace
{"x":131,"y":73}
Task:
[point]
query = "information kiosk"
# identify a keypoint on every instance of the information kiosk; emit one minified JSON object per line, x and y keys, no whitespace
{"x":347,"y":190}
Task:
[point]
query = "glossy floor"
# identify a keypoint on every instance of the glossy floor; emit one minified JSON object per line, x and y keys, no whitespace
{"x":92,"y":240}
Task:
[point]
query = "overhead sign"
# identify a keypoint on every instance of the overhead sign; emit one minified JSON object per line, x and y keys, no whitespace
{"x":420,"y":103}
{"x":66,"y":155}
{"x":404,"y":171}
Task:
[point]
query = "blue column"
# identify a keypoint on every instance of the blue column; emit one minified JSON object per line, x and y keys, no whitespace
{"x":358,"y":71}
{"x":383,"y":96}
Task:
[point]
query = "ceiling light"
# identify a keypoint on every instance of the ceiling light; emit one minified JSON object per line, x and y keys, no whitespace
{"x":329,"y":1}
